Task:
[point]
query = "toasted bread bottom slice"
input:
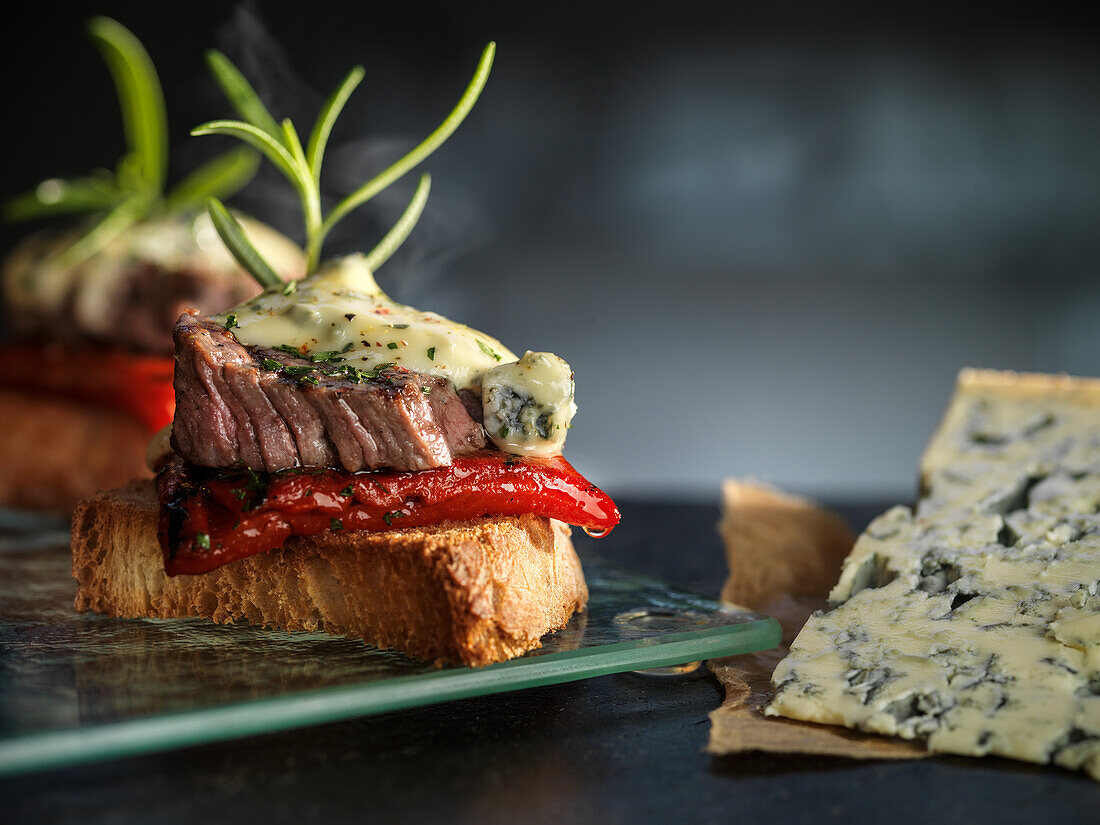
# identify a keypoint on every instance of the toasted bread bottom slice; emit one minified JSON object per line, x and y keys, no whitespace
{"x":55,"y":451}
{"x":471,"y":593}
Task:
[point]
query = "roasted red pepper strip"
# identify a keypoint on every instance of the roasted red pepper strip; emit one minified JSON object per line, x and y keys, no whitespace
{"x":207,"y":519}
{"x":140,"y":385}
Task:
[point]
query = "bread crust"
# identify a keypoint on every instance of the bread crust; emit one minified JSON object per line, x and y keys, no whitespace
{"x":55,"y":451}
{"x":470,"y":593}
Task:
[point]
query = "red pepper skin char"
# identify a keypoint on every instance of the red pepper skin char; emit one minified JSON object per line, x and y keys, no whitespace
{"x":210,"y":519}
{"x":135,"y":384}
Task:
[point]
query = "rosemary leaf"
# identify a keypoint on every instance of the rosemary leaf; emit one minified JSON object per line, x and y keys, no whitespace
{"x":400,"y":231}
{"x":241,"y":94}
{"x":129,"y":175}
{"x":318,"y":139}
{"x":294,"y":144}
{"x":232,"y":234}
{"x":271,"y":147}
{"x":105,"y":230}
{"x":141,"y":99}
{"x":219,"y":177}
{"x":63,"y":197}
{"x":303,"y":179}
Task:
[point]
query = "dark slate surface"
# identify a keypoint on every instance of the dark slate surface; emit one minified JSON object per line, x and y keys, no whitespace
{"x":624,"y":748}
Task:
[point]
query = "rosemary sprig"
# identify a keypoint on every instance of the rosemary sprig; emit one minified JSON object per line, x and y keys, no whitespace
{"x":279,"y":143}
{"x":136,"y":189}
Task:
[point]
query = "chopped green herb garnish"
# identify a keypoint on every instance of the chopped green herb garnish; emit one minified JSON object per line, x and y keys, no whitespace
{"x":380,"y":485}
{"x":350,"y":344}
{"x":271,"y":364}
{"x":231,"y":321}
{"x":504,"y":431}
{"x":390,"y":516}
{"x":352,"y":374}
{"x":312,"y":380}
{"x":399,"y":326}
{"x":296,"y":370}
{"x":290,"y":288}
{"x":431,"y":353}
{"x":426,"y":389}
{"x":327,"y":355}
{"x":391,"y":345}
{"x":289,"y":350}
{"x":336,"y":524}
{"x":203,"y":540}
{"x":348,"y":491}
{"x":488,"y":350}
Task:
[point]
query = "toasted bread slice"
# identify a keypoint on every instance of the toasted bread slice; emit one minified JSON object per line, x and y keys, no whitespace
{"x":471,"y":593}
{"x":55,"y":451}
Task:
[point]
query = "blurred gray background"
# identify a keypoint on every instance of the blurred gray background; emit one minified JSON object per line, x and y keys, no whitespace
{"x":766,"y":241}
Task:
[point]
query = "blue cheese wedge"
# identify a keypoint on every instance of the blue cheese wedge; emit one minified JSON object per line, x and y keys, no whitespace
{"x":973,"y":623}
{"x":528,"y":405}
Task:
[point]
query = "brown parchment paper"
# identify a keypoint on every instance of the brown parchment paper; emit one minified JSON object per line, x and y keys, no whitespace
{"x":784,"y":554}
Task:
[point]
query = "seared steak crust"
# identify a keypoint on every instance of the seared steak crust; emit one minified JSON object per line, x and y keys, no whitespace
{"x":269,"y":410}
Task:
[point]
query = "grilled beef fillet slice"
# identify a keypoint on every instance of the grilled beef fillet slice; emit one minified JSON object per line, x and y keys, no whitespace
{"x":269,"y":410}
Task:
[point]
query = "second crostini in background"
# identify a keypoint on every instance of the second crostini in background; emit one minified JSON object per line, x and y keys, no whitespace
{"x":86,"y":366}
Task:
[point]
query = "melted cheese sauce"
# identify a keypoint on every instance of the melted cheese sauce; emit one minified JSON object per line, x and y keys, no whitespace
{"x":33,"y":282}
{"x":341,"y":310}
{"x":340,"y":313}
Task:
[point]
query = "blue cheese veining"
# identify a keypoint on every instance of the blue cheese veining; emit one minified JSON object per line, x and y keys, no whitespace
{"x":974,"y":622}
{"x":341,"y":311}
{"x":528,"y":405}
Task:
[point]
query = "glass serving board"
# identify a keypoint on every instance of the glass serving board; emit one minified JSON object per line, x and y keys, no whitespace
{"x":79,"y":688}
